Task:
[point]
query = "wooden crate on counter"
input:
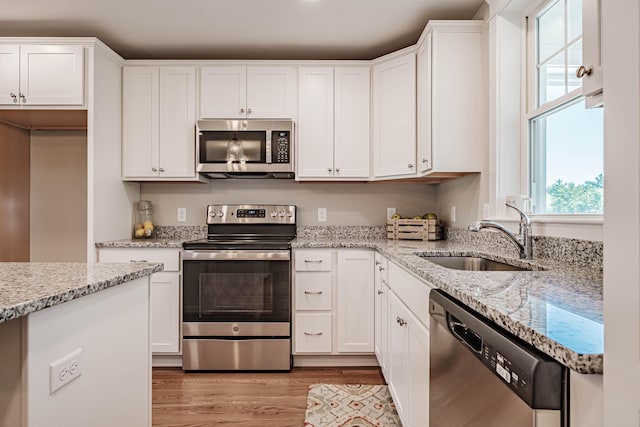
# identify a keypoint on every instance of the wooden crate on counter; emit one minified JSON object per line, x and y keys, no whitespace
{"x":414,"y":229}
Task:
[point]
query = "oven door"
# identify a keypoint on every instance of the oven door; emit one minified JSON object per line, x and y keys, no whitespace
{"x":235,"y":286}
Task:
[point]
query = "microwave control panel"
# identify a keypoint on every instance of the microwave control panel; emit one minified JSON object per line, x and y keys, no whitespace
{"x":280,"y":146}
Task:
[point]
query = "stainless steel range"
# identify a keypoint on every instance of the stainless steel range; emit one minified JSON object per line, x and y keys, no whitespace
{"x":237,"y":290}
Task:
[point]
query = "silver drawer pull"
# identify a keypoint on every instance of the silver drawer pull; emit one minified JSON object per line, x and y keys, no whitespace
{"x":313,"y":293}
{"x":313,"y":260}
{"x":313,"y":334}
{"x":380,"y":292}
{"x":138,"y":260}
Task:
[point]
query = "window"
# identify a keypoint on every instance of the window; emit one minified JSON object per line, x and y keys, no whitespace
{"x":565,"y":138}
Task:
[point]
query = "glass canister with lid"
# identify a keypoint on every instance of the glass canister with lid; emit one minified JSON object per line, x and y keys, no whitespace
{"x":143,"y":224}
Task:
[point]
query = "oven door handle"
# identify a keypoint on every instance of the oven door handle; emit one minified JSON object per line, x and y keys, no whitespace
{"x":239,"y":255}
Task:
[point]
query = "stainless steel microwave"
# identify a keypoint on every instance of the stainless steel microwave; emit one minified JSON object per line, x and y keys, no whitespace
{"x":245,"y":148}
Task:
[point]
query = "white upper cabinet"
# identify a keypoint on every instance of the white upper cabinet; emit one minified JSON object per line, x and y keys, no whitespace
{"x":41,"y":75}
{"x":159,"y":123}
{"x":333,"y":123}
{"x":394,"y":117}
{"x":591,"y":52}
{"x":253,"y":92}
{"x":450,"y":102}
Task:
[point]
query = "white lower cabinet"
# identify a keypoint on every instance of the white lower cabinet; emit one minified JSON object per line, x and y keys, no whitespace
{"x":165,"y":292}
{"x":381,"y":312}
{"x":333,"y":302}
{"x":406,"y":357}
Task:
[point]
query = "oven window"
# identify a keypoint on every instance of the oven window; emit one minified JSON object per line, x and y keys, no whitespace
{"x":223,"y":146}
{"x":236,"y":291}
{"x":222,"y":293}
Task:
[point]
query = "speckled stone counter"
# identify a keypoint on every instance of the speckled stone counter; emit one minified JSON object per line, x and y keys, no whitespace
{"x":141,"y":243}
{"x":28,"y":287}
{"x":555,"y":307}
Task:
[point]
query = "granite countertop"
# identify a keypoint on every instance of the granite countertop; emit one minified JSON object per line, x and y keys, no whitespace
{"x":554,"y":307}
{"x":28,"y":287}
{"x":142,"y":243}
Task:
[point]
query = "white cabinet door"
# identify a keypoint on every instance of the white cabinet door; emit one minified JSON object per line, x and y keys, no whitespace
{"x":450,"y":101}
{"x":315,"y":123}
{"x":9,"y":74}
{"x":398,"y":363}
{"x":381,"y":316}
{"x":51,"y":75}
{"x":591,"y":51}
{"x":394,"y":117}
{"x":177,"y":122}
{"x":223,"y":92}
{"x":238,"y":92}
{"x":165,"y":312}
{"x":352,"y":139}
{"x":418,"y":361}
{"x":270,"y":93}
{"x":140,"y":122}
{"x":355,"y":317}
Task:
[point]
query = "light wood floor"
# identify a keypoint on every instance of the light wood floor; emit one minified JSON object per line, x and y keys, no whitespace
{"x":243,"y":399}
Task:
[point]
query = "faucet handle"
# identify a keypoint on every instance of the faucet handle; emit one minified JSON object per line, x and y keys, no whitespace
{"x":524,"y":218}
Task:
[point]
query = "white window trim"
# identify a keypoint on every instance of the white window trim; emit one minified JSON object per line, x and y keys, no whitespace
{"x":502,"y":16}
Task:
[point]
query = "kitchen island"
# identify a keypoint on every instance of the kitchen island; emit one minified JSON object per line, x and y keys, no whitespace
{"x":75,"y":341}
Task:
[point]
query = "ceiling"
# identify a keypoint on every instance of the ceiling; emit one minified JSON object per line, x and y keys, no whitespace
{"x":235,"y":29}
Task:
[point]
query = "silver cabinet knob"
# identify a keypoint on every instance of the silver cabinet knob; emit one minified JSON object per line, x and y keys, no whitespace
{"x":583,"y":71}
{"x":242,"y":111}
{"x":24,"y":98}
{"x":330,"y":170}
{"x":337,"y":170}
{"x":425,"y":161}
{"x":377,"y":262}
{"x":161,"y":169}
{"x":410,"y":165}
{"x":380,"y":268}
{"x":154,"y":169}
{"x":380,"y":292}
{"x":15,"y":98}
{"x":249,"y":111}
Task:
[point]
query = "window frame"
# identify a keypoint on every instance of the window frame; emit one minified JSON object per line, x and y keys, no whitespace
{"x":531,"y":111}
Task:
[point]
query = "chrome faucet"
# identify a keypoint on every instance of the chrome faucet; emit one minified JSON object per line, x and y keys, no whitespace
{"x":522,"y":240}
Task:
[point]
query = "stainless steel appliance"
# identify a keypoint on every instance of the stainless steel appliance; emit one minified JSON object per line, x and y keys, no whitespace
{"x":245,"y":148}
{"x":482,"y":376}
{"x":237,"y":290}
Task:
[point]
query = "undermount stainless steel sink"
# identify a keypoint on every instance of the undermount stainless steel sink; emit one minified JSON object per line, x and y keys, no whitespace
{"x":471,"y":263}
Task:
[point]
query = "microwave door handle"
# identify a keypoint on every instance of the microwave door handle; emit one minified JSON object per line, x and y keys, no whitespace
{"x":268,"y":147}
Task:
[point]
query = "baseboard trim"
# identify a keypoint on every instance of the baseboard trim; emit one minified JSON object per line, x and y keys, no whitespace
{"x":326,"y":361}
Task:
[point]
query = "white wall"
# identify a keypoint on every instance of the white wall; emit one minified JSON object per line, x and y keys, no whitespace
{"x":346,"y":203}
{"x":58,"y":213}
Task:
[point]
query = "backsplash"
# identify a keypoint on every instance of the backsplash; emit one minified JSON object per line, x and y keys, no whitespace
{"x":181,"y":232}
{"x":579,"y":253}
{"x":342,"y":232}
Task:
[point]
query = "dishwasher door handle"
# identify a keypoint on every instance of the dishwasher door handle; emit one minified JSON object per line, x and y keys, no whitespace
{"x":466,"y":335}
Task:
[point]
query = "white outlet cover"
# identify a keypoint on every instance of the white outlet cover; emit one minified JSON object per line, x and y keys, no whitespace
{"x":390,"y":212}
{"x":452,"y":217}
{"x":182,"y":214}
{"x":65,"y":370}
{"x":322,"y":214}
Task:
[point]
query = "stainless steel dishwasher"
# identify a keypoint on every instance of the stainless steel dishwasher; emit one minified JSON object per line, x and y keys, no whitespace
{"x":482,"y":376}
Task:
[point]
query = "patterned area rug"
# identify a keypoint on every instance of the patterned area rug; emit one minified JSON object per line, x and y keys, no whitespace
{"x":331,"y":405}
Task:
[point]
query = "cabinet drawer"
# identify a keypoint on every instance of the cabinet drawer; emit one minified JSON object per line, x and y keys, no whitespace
{"x":312,"y":332}
{"x":169,"y":257}
{"x":413,"y":292}
{"x":313,"y":260}
{"x":313,"y":291}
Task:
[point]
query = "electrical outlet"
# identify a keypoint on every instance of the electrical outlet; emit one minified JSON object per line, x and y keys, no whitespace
{"x":452,"y":217}
{"x":390,"y":212}
{"x":322,"y":214}
{"x":65,"y":370}
{"x":182,"y":214}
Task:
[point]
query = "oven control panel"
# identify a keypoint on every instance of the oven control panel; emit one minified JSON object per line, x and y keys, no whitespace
{"x":251,"y":214}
